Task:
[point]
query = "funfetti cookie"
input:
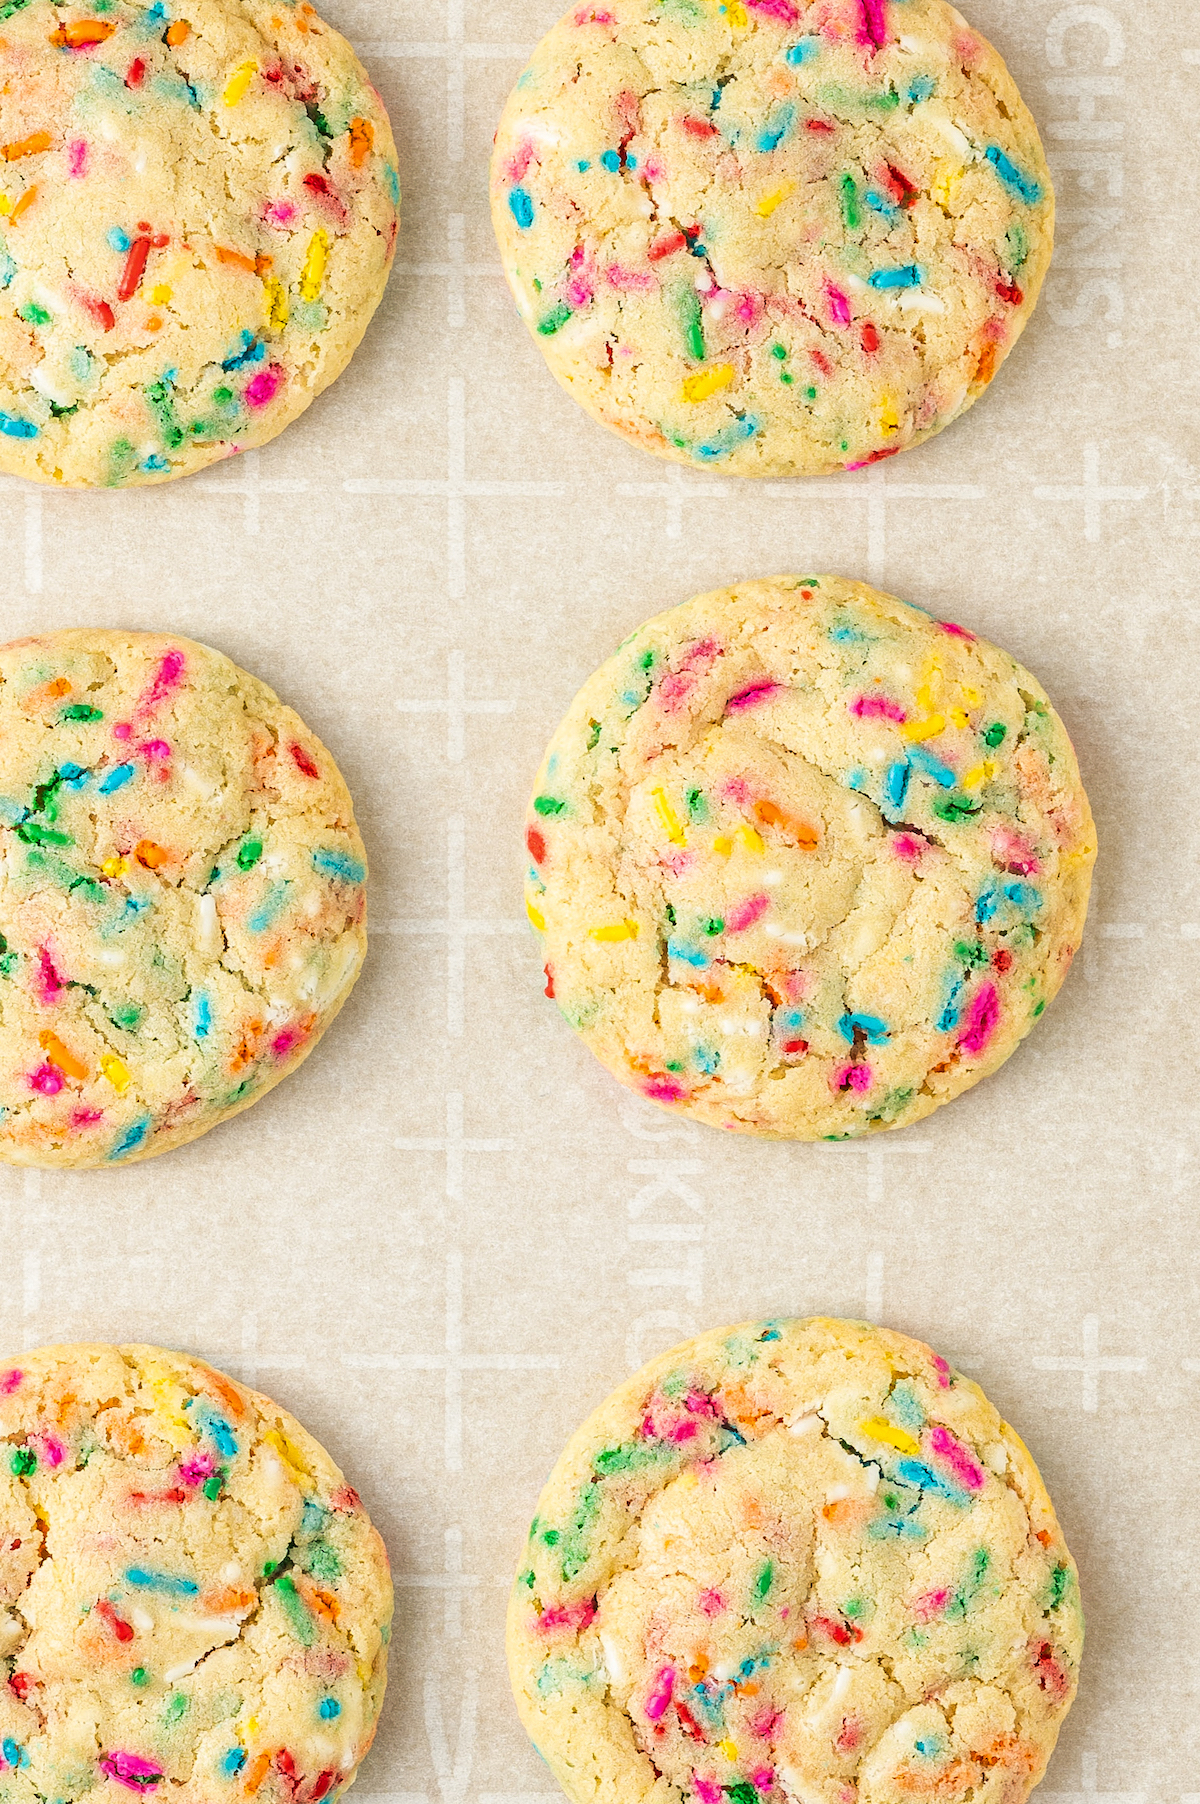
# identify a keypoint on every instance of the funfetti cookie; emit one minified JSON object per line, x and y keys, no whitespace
{"x":198,"y":211}
{"x":781,"y":237}
{"x":795,"y":1562}
{"x":193,"y":1602}
{"x":806,"y":862}
{"x":182,"y":906}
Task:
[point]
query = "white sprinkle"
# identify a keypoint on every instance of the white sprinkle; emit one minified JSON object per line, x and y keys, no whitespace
{"x":142,"y":1619}
{"x":180,"y":1672}
{"x":807,"y":1424}
{"x":612,"y":1659}
{"x":836,"y":1493}
{"x":231,"y":1574}
{"x":771,"y":878}
{"x":209,"y":931}
{"x":911,"y":301}
{"x":956,"y":138}
{"x":192,"y":780}
{"x":112,"y":956}
{"x":841,"y":1685}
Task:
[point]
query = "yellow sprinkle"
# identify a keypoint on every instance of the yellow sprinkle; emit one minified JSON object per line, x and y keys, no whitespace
{"x":960,"y":717}
{"x":116,"y":866}
{"x":252,"y":1725}
{"x":238,"y":82}
{"x":737,"y":15}
{"x":982,"y":773}
{"x":722,"y":845}
{"x":291,"y":1456}
{"x":944,"y":185}
{"x":707,"y":382}
{"x":116,"y":1071}
{"x":880,"y":1429}
{"x":924,"y":729}
{"x":753,"y":842}
{"x":5,"y":206}
{"x":971,"y":695}
{"x":160,"y":294}
{"x":767,"y":205}
{"x":728,"y":1748}
{"x":313,"y":273}
{"x":624,"y":930}
{"x":538,"y":919}
{"x":277,"y":303}
{"x":669,"y":818}
{"x":889,"y":419}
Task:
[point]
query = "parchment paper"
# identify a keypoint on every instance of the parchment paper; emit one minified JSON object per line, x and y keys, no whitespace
{"x":426,"y":566}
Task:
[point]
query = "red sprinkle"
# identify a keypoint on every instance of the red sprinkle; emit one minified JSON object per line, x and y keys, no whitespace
{"x":870,"y":338}
{"x":120,"y":1628}
{"x":317,"y":183}
{"x":22,"y":1683}
{"x":664,"y":247}
{"x":819,"y":125}
{"x":137,"y":73}
{"x":302,"y":760}
{"x":537,"y":845}
{"x":902,"y":189}
{"x":1008,"y":291}
{"x":101,"y":312}
{"x":549,"y":976}
{"x":1002,"y":959}
{"x":698,"y":128}
{"x":135,"y":267}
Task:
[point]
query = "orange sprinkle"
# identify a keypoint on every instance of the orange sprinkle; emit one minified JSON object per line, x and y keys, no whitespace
{"x":986,"y":367}
{"x":362,"y":140}
{"x":179,"y":32}
{"x":238,"y":258}
{"x":26,"y":201}
{"x":262,"y":263}
{"x":154,"y":324}
{"x":256,"y":1772}
{"x":45,"y":692}
{"x":225,"y":1599}
{"x":82,"y":31}
{"x":213,"y":1381}
{"x":28,"y":147}
{"x":152,"y":856}
{"x":59,"y":1055}
{"x":799,"y":831}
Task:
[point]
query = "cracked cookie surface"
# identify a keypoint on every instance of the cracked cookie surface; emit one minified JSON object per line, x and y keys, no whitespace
{"x":779,"y":237}
{"x":182,"y":903}
{"x":198,"y":211}
{"x":192,"y":1599}
{"x":795,"y":1562}
{"x":806,"y":861}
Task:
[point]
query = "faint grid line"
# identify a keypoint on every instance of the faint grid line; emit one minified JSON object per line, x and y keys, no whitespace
{"x":876,"y":490}
{"x":251,"y":485}
{"x":455,"y":706}
{"x":455,"y":1146}
{"x":452,"y":1580}
{"x":1091,"y":492}
{"x":458,"y":54}
{"x":1091,"y":1365}
{"x":455,"y":271}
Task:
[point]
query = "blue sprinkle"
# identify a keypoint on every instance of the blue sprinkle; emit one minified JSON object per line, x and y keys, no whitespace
{"x":948,"y":1019}
{"x":312,"y":1517}
{"x":792,"y":1018}
{"x":929,"y":1747}
{"x":73,"y":775}
{"x":987,"y":905}
{"x":909,"y":275}
{"x":583,"y":163}
{"x":611,"y":160}
{"x":203,"y":1023}
{"x":631,"y":162}
{"x":251,"y":350}
{"x":773,"y":135}
{"x":14,"y":1753}
{"x":329,"y":1708}
{"x":129,"y":1142}
{"x":80,"y":362}
{"x":726,"y":441}
{"x":895,"y":784}
{"x":393,"y":183}
{"x":875,"y":1029}
{"x":234,"y":1761}
{"x":902,"y":1528}
{"x":923,"y":88}
{"x":1011,"y":176}
{"x":222,"y":1434}
{"x":916,"y":1472}
{"x":8,"y":268}
{"x":117,"y":240}
{"x":1024,"y":896}
{"x":11,"y":427}
{"x":933,"y":767}
{"x":906,"y":1407}
{"x":688,"y":955}
{"x":339,"y":865}
{"x":857,"y":778}
{"x":161,"y":1581}
{"x":803,"y":52}
{"x":117,"y":778}
{"x":520,"y":205}
{"x":716,"y":99}
{"x":157,"y":14}
{"x":844,"y":635}
{"x":878,"y":205}
{"x":707,"y":1060}
{"x":154,"y":462}
{"x":269,"y":908}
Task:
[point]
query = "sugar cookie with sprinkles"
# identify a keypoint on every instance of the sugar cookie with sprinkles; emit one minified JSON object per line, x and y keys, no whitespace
{"x":182,"y":903}
{"x":198,"y":211}
{"x":806,"y":862}
{"x":193,"y":1602}
{"x":784,"y":237}
{"x":795,"y":1562}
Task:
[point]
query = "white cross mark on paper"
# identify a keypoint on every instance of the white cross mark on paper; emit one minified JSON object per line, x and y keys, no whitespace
{"x":455,"y":707}
{"x":455,"y":490}
{"x":675,"y":489}
{"x":251,"y":1361}
{"x":457,"y":929}
{"x":454,"y":1362}
{"x":457,"y":53}
{"x":453,"y":1581}
{"x":454,"y":1146}
{"x":1089,"y":1793}
{"x":33,"y":531}
{"x":875,"y":1150}
{"x":1093,"y":494}
{"x":453,"y":1776}
{"x":877,"y":492}
{"x":1091,"y":1365}
{"x":454,"y":271}
{"x":251,"y":485}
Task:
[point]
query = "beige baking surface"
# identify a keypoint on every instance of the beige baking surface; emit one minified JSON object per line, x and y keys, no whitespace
{"x":446,"y":525}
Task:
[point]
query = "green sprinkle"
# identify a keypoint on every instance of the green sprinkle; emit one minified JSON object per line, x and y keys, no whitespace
{"x":270,"y":1567}
{"x":22,"y":1462}
{"x":784,"y":376}
{"x":555,"y":320}
{"x":715,"y":926}
{"x":547,"y":805}
{"x":692,"y":325}
{"x":175,"y":1707}
{"x":81,"y":711}
{"x":646,"y":661}
{"x":212,"y":1486}
{"x":296,"y":1610}
{"x":527,"y":1579}
{"x":697,"y":806}
{"x":779,"y":351}
{"x":551,"y":1537}
{"x":222,"y":396}
{"x":249,"y":854}
{"x":33,"y":314}
{"x":126,"y":1015}
{"x":850,"y":212}
{"x":162,"y":406}
{"x":1060,"y":1579}
{"x":323,"y":1562}
{"x":593,"y":734}
{"x":995,"y":733}
{"x":811,"y":393}
{"x":955,"y":808}
{"x":139,"y":1676}
{"x":1037,"y":1011}
{"x":741,"y":1793}
{"x":762,"y":1583}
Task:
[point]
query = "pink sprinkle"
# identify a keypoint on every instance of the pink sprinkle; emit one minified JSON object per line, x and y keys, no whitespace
{"x":53,"y":1451}
{"x":77,"y":152}
{"x":749,"y":308}
{"x":263,"y":388}
{"x":519,"y":162}
{"x":155,"y":748}
{"x":746,"y":913}
{"x":288,"y":1040}
{"x":763,"y":1725}
{"x":663,"y":1089}
{"x":711,"y":1602}
{"x":875,"y":22}
{"x":982,"y":1018}
{"x":677,"y":862}
{"x":682,"y":1431}
{"x":708,"y":1791}
{"x":122,"y":730}
{"x":877,"y":707}
{"x":942,"y":1370}
{"x":931,"y":1605}
{"x":81,"y":1118}
{"x":630,"y":281}
{"x":839,"y":306}
{"x":959,"y":632}
{"x":967,"y":1470}
{"x":852,"y":1077}
{"x":751,"y":696}
{"x":660,"y":1693}
{"x":47,"y":1079}
{"x":776,"y":9}
{"x":166,"y":678}
{"x":763,"y":1778}
{"x":196,"y":1468}
{"x":567,"y":1616}
{"x":10,"y":1381}
{"x":699,"y":1403}
{"x":1014,"y":852}
{"x":654,"y":169}
{"x":578,"y":292}
{"x":280,"y":213}
{"x":905,"y":846}
{"x":48,"y":984}
{"x":590,"y":16}
{"x":131,"y":1771}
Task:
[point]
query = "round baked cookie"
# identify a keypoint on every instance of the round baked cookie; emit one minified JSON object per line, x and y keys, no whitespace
{"x":182,"y":910}
{"x":784,"y":237}
{"x":806,"y":862}
{"x":193,"y":1603}
{"x":795,"y":1562}
{"x":198,"y":210}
